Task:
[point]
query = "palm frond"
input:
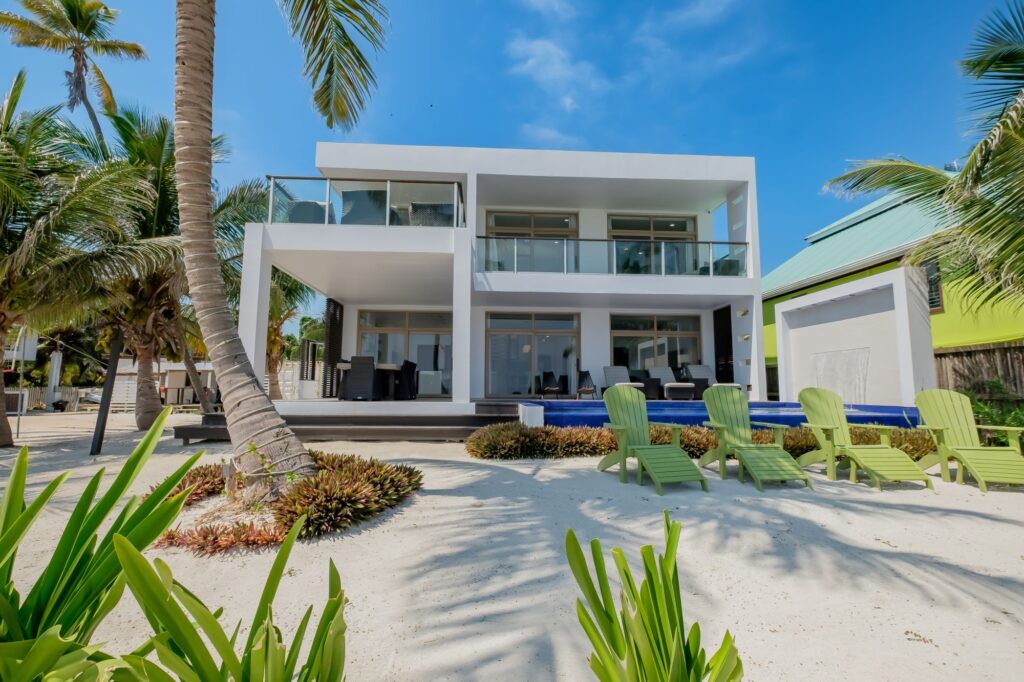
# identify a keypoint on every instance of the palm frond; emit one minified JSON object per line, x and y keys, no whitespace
{"x":996,"y":59}
{"x":118,"y":49}
{"x":102,"y":87}
{"x":341,"y":76}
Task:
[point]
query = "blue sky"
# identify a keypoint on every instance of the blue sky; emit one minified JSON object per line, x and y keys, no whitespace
{"x":803,"y":86}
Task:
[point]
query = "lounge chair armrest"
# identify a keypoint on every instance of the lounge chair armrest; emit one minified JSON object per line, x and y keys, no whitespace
{"x":668,"y":424}
{"x":925,"y":427}
{"x":1006,"y":429}
{"x":875,"y":427}
{"x":823,"y":427}
{"x":769,"y":425}
{"x":714,"y":425}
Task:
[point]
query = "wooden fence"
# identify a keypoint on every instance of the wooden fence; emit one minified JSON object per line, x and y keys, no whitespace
{"x":971,"y":367}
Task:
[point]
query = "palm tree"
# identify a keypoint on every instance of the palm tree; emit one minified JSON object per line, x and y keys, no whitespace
{"x":287,"y":297}
{"x":148,"y":309}
{"x":981,"y":251}
{"x":62,"y":235}
{"x":80,"y":29}
{"x":342,"y":79}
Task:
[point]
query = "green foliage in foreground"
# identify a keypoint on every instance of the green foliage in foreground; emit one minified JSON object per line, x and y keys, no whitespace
{"x":645,"y":640}
{"x":189,"y":640}
{"x":46,"y":635}
{"x":82,"y":581}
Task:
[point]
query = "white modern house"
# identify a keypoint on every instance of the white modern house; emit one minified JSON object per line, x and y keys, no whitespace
{"x":505,"y":273}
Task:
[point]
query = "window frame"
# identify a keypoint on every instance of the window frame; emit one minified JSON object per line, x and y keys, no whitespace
{"x":652,"y":234}
{"x":532,"y":331}
{"x":654,"y":333}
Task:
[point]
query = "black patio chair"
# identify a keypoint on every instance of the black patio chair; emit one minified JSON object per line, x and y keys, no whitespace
{"x":585,"y":384}
{"x":549,"y":384}
{"x":362,"y":380}
{"x":406,"y":388}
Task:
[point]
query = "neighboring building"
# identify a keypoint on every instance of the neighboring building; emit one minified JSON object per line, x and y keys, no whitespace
{"x":969,"y":348}
{"x":499,"y":271}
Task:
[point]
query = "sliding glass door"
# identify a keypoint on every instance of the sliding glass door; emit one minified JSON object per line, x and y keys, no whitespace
{"x":640,"y":342}
{"x":391,"y":337}
{"x":531,"y":354}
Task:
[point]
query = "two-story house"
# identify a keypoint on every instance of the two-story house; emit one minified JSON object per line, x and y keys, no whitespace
{"x":505,"y":273}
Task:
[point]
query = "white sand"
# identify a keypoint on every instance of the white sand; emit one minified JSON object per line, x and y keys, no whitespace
{"x":468,"y":580}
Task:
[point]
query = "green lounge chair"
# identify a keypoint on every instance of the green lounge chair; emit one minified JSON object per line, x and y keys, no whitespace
{"x":730,"y":418}
{"x":950,"y":418}
{"x":627,"y":411}
{"x":827,"y":418}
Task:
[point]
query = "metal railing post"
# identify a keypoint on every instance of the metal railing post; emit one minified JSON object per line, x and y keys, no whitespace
{"x":455,"y":204}
{"x":711,"y":259}
{"x":615,"y":257}
{"x":327,"y":201}
{"x":387,"y":204}
{"x":515,"y":254}
{"x":662,"y":247}
{"x":565,"y":256}
{"x":270,"y":200}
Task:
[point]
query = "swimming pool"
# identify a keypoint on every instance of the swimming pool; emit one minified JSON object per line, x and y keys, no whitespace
{"x":593,"y":413}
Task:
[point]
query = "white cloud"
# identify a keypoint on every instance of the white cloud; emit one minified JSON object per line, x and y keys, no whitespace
{"x":548,"y":136}
{"x":665,"y":57}
{"x":697,"y":13}
{"x":568,"y":103}
{"x":552,"y":67}
{"x":558,"y":9}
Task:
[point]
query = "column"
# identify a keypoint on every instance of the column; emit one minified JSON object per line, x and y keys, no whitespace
{"x":462,"y":298}
{"x":254,"y":303}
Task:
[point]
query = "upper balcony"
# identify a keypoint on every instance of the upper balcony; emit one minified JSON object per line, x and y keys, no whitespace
{"x":365,"y":203}
{"x":611,"y":257}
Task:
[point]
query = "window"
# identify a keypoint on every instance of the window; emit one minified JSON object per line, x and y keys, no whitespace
{"x":640,"y":342}
{"x":423,"y":337}
{"x":638,"y":242}
{"x":526,"y":224}
{"x":528,"y":242}
{"x":934,"y":275}
{"x":528,"y":353}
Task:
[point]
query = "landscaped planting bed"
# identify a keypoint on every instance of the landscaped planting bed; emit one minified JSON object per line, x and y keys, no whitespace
{"x":513,"y":440}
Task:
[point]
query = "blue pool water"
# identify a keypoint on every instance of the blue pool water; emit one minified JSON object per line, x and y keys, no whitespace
{"x":593,"y":413}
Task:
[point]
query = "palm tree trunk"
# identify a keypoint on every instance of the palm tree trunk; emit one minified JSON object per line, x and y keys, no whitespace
{"x":253,"y":423}
{"x":147,"y":393}
{"x":205,"y":404}
{"x":95,"y":124}
{"x":6,"y":435}
{"x":273,"y":378}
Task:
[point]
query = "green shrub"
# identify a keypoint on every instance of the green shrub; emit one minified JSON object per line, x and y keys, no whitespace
{"x":205,"y":480}
{"x":642,"y":635}
{"x":513,"y":440}
{"x":348,"y":489}
{"x":505,"y":440}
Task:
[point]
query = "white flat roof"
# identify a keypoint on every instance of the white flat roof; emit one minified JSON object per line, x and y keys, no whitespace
{"x":396,"y":162}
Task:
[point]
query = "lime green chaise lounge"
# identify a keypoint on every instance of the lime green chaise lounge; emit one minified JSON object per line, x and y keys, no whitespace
{"x":950,"y":418}
{"x":627,"y":411}
{"x":827,"y":419}
{"x":730,"y":418}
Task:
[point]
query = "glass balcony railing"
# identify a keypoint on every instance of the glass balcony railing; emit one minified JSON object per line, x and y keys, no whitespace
{"x":611,"y":257}
{"x":387,"y":203}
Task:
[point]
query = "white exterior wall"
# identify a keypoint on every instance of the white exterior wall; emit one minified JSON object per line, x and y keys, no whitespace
{"x":867,"y":340}
{"x":431,"y":268}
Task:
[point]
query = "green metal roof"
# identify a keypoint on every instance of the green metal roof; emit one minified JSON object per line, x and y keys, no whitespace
{"x":880,"y":231}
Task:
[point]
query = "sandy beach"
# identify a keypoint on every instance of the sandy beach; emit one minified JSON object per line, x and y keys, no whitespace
{"x":467,"y":580}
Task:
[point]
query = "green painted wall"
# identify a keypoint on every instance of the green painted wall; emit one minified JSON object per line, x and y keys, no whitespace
{"x":951,"y":328}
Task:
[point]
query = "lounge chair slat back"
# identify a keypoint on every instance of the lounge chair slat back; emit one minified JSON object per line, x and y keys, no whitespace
{"x":826,"y":408}
{"x":952,"y":412}
{"x":881,"y":462}
{"x":729,"y":407}
{"x":626,"y":407}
